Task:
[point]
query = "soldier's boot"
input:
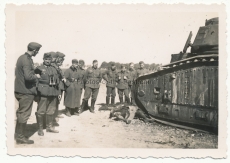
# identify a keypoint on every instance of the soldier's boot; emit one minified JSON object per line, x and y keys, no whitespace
{"x":131,"y":100}
{"x":49,"y":124}
{"x":87,"y":105}
{"x":92,"y":106}
{"x":76,"y":111}
{"x":40,"y":124}
{"x":112,"y":101}
{"x":16,"y":130}
{"x":67,"y":113}
{"x":55,"y":121}
{"x":83,"y":106}
{"x":121,"y":100}
{"x":128,"y":121}
{"x":21,"y":138}
{"x":107,"y":100}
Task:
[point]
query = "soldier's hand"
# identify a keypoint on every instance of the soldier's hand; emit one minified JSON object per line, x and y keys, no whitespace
{"x":64,"y":80}
{"x":38,"y":76}
{"x":119,"y":78}
{"x":59,"y":97}
{"x":125,"y":77}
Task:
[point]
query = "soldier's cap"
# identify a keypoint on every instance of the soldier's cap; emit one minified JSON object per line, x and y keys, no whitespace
{"x":53,"y":54}
{"x":60,"y":55}
{"x":112,"y":63}
{"x":74,"y":61}
{"x":131,"y":63}
{"x":34,"y":46}
{"x":81,"y":62}
{"x":95,"y":61}
{"x":141,"y":62}
{"x":47,"y":56}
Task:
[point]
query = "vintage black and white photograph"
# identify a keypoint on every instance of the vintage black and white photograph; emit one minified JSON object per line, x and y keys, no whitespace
{"x":115,"y":77}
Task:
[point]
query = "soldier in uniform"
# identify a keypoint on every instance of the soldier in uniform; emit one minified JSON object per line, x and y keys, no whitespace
{"x":122,"y":79}
{"x":48,"y":92}
{"x":110,"y":77}
{"x":57,"y":60}
{"x":133,"y":76}
{"x":141,"y":70}
{"x":25,"y":90}
{"x":74,"y":83}
{"x":93,"y":78}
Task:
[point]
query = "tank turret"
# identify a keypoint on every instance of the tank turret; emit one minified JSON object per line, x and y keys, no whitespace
{"x":206,"y":41}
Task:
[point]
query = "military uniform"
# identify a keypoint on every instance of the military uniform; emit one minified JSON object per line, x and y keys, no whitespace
{"x":48,"y":92}
{"x":110,"y":77}
{"x":122,"y":85}
{"x":25,"y":91}
{"x":133,"y":76}
{"x":61,"y":76}
{"x":75,"y":84}
{"x":92,"y":78}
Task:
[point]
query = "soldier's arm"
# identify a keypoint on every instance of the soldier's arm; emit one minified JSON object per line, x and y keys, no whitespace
{"x":100,"y":76}
{"x":28,"y":71}
{"x":117,"y":77}
{"x":104,"y":75}
{"x":67,"y":76}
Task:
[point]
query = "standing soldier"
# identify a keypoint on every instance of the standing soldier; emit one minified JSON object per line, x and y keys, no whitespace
{"x":110,"y":77}
{"x":25,"y":90}
{"x":132,"y":75}
{"x":93,"y":78}
{"x":57,"y":60}
{"x":122,"y":79}
{"x":48,"y":92}
{"x":74,"y":82}
{"x":141,"y":70}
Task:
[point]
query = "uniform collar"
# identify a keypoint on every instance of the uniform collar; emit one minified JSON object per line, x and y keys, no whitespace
{"x":28,"y":55}
{"x":46,"y":65}
{"x":73,"y":68}
{"x":94,"y":68}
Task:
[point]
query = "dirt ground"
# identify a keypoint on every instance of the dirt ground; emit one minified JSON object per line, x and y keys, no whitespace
{"x":98,"y":131}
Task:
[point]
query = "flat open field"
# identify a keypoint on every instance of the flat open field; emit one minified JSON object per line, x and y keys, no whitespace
{"x":98,"y":131}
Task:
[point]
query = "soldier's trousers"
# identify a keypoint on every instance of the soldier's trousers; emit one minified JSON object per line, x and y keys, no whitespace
{"x":121,"y":92}
{"x":131,"y":93}
{"x":47,"y":105}
{"x":25,"y":106}
{"x":110,"y":92}
{"x":89,"y":91}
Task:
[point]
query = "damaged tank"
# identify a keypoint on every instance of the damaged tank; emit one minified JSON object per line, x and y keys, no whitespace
{"x":185,"y":91}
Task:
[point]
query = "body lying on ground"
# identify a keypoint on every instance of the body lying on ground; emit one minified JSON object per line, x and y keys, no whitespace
{"x":127,"y":113}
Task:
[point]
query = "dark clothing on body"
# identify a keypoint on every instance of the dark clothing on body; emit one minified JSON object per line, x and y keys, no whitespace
{"x":25,"y":81}
{"x":75,"y":84}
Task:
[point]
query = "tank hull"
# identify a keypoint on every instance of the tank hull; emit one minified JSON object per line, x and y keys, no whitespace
{"x":185,"y":92}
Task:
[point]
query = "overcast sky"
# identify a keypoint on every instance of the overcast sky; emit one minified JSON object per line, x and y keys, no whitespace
{"x":127,"y":34}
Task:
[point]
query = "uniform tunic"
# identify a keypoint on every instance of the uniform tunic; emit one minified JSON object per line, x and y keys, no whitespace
{"x":25,"y":87}
{"x":74,"y":83}
{"x":110,"y":77}
{"x":61,"y":76}
{"x":122,"y":84}
{"x":25,"y":81}
{"x":48,"y":93}
{"x":93,"y":78}
{"x":141,"y":71}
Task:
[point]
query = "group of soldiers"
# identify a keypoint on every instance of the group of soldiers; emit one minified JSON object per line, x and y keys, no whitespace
{"x":46,"y":83}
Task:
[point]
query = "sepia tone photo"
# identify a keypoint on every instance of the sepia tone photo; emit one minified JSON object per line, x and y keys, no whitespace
{"x":117,"y":80}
